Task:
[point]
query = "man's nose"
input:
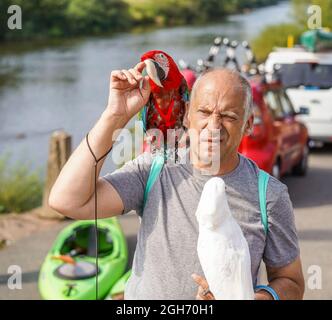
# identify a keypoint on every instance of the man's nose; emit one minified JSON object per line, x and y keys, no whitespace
{"x":214,"y":122}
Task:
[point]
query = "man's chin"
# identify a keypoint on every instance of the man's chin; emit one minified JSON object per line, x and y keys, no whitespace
{"x":209,"y":162}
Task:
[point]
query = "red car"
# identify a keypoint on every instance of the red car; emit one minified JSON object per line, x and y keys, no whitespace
{"x":279,"y":143}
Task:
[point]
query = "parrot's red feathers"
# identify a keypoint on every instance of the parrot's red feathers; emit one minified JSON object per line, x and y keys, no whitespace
{"x":166,"y":106}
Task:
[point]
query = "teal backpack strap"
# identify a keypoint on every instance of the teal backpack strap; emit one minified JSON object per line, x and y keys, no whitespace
{"x":156,"y":167}
{"x":263,"y":179}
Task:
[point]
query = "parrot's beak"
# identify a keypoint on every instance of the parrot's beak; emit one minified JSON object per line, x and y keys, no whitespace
{"x":155,"y":71}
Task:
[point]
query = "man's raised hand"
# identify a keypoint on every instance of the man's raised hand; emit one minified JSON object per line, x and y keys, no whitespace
{"x":129,"y":92}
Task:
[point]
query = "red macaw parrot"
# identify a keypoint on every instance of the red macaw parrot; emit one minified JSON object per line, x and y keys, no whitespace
{"x":165,"y":108}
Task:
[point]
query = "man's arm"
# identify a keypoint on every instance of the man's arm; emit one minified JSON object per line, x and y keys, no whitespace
{"x":72,"y":192}
{"x":288,"y":282}
{"x":71,"y":195}
{"x":282,"y":246}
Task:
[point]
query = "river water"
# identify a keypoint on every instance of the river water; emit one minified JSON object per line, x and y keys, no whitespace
{"x":65,"y":86}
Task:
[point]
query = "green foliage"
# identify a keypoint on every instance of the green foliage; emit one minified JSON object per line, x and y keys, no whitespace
{"x":40,"y":18}
{"x":4,"y":4}
{"x":97,"y":16}
{"x":60,"y":18}
{"x":232,"y":6}
{"x":171,"y":12}
{"x":301,"y":16}
{"x":211,"y":10}
{"x":167,"y":12}
{"x":49,"y":18}
{"x":274,"y":36}
{"x":20,"y":190}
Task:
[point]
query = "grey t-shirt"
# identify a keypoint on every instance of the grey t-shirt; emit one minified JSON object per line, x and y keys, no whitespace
{"x":166,"y":251}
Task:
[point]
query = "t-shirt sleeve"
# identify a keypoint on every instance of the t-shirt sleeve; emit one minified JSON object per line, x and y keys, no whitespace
{"x":281,"y":246}
{"x":130,"y":180}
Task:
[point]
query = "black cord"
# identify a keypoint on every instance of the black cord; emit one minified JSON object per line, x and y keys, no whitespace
{"x":176,"y":149}
{"x":95,"y":206}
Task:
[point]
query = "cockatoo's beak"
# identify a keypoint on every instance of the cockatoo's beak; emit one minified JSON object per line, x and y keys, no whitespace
{"x":155,"y":71}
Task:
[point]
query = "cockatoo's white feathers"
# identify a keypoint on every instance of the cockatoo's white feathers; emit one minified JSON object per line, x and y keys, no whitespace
{"x":222,"y":249}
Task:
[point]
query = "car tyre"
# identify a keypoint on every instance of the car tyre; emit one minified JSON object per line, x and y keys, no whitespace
{"x":302,"y":167}
{"x":276,"y":170}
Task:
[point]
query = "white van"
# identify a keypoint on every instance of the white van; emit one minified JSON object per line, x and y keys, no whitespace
{"x":308,"y":79}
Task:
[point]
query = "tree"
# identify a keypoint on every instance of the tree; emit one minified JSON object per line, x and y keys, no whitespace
{"x":41,"y":18}
{"x":97,"y":16}
{"x":300,"y":13}
{"x":274,"y":36}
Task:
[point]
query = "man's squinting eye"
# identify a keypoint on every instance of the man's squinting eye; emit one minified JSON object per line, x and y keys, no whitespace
{"x":204,"y":111}
{"x":229,"y":117}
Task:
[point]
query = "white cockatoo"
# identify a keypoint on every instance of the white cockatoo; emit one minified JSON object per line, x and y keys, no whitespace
{"x":222,"y":248}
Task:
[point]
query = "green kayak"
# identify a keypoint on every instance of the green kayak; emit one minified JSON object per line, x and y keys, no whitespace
{"x":117,"y":291}
{"x":69,"y":270}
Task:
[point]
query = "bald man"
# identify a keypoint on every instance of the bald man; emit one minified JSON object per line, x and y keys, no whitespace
{"x":166,"y":265}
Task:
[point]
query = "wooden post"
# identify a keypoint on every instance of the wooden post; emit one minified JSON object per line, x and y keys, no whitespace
{"x":59,"y":153}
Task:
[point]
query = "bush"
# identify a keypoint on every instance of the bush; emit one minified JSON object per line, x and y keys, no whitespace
{"x":20,"y":189}
{"x":97,"y":16}
{"x":274,"y":36}
{"x":300,"y":14}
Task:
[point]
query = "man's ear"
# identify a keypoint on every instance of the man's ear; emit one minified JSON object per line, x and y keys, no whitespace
{"x":249,"y":126}
{"x":186,"y":121}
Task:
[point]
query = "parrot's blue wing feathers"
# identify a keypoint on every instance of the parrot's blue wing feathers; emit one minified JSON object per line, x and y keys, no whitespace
{"x":185,"y":95}
{"x":142,"y":116}
{"x":184,"y":91}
